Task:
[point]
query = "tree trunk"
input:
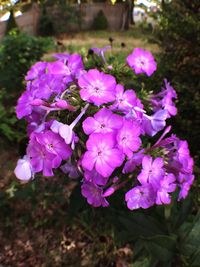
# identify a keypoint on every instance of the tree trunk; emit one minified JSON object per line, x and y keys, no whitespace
{"x":132,"y":5}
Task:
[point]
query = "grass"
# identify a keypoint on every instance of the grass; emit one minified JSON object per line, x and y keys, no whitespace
{"x":81,"y":42}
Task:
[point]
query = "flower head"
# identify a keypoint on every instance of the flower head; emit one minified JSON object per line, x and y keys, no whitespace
{"x":140,"y":197}
{"x":142,"y":61}
{"x":104,"y":121}
{"x":93,"y":193}
{"x":152,"y":171}
{"x":97,"y":87}
{"x":101,"y":148}
{"x":128,"y":137}
{"x":166,"y":186}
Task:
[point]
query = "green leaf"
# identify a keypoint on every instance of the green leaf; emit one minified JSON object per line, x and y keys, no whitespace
{"x":161,"y":247}
{"x":195,"y":261}
{"x":190,"y":242}
{"x":139,"y":225}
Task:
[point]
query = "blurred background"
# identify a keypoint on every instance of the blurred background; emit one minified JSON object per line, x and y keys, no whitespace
{"x":47,"y":222}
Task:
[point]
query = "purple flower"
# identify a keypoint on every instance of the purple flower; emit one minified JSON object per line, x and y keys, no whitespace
{"x":104,"y":121}
{"x":94,"y":177}
{"x":47,"y":85}
{"x":62,"y":57}
{"x":152,"y":171}
{"x":140,"y":197}
{"x":185,"y":182}
{"x":155,"y":123}
{"x":164,"y":100}
{"x":125,"y":100}
{"x":23,"y":170}
{"x":36,"y":70}
{"x":183,"y":157}
{"x":75,"y":65}
{"x":64,"y":130}
{"x":101,"y":149}
{"x":179,"y":159}
{"x":100,"y":51}
{"x":58,"y":68}
{"x":24,"y":107}
{"x":128,"y":137}
{"x":93,"y":193}
{"x":40,"y":159}
{"x":133,"y":162}
{"x":54,"y":144}
{"x":167,"y":185}
{"x":97,"y":87}
{"x":70,"y":169}
{"x":142,"y":61}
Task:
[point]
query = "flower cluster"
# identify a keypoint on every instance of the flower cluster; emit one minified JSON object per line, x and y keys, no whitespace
{"x":93,"y":128}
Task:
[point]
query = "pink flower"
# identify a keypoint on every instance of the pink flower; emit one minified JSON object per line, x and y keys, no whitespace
{"x":97,"y":87}
{"x":104,"y":121}
{"x":101,"y":149}
{"x":128,"y":137}
{"x":142,"y":61}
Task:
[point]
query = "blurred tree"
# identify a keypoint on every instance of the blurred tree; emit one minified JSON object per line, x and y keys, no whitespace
{"x":179,"y":37}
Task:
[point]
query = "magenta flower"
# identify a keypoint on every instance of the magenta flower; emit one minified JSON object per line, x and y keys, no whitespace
{"x":155,"y":123}
{"x":75,"y":65}
{"x":36,"y":70}
{"x":167,"y":185}
{"x":48,"y":85}
{"x":62,"y":57}
{"x":152,"y":171}
{"x":70,"y":169}
{"x":94,"y":177}
{"x":97,"y":87}
{"x":100,"y":51}
{"x":140,"y":197}
{"x":93,"y":193}
{"x":185,"y":182}
{"x":42,"y":160}
{"x":164,"y":100}
{"x":101,"y":149}
{"x":134,"y":161}
{"x":104,"y":121}
{"x":128,"y":137}
{"x":54,"y":144}
{"x":142,"y":61}
{"x":183,"y":157}
{"x":58,"y":68}
{"x":125,"y":100}
{"x":24,"y":107}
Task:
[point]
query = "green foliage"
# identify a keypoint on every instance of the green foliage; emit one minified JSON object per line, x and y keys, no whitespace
{"x":18,"y":52}
{"x":7,"y":120}
{"x":179,"y":37}
{"x":100,"y":21}
{"x":10,"y":128}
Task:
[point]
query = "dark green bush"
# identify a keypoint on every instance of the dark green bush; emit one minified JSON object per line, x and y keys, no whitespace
{"x":100,"y":21}
{"x":18,"y":52}
{"x":179,"y":37}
